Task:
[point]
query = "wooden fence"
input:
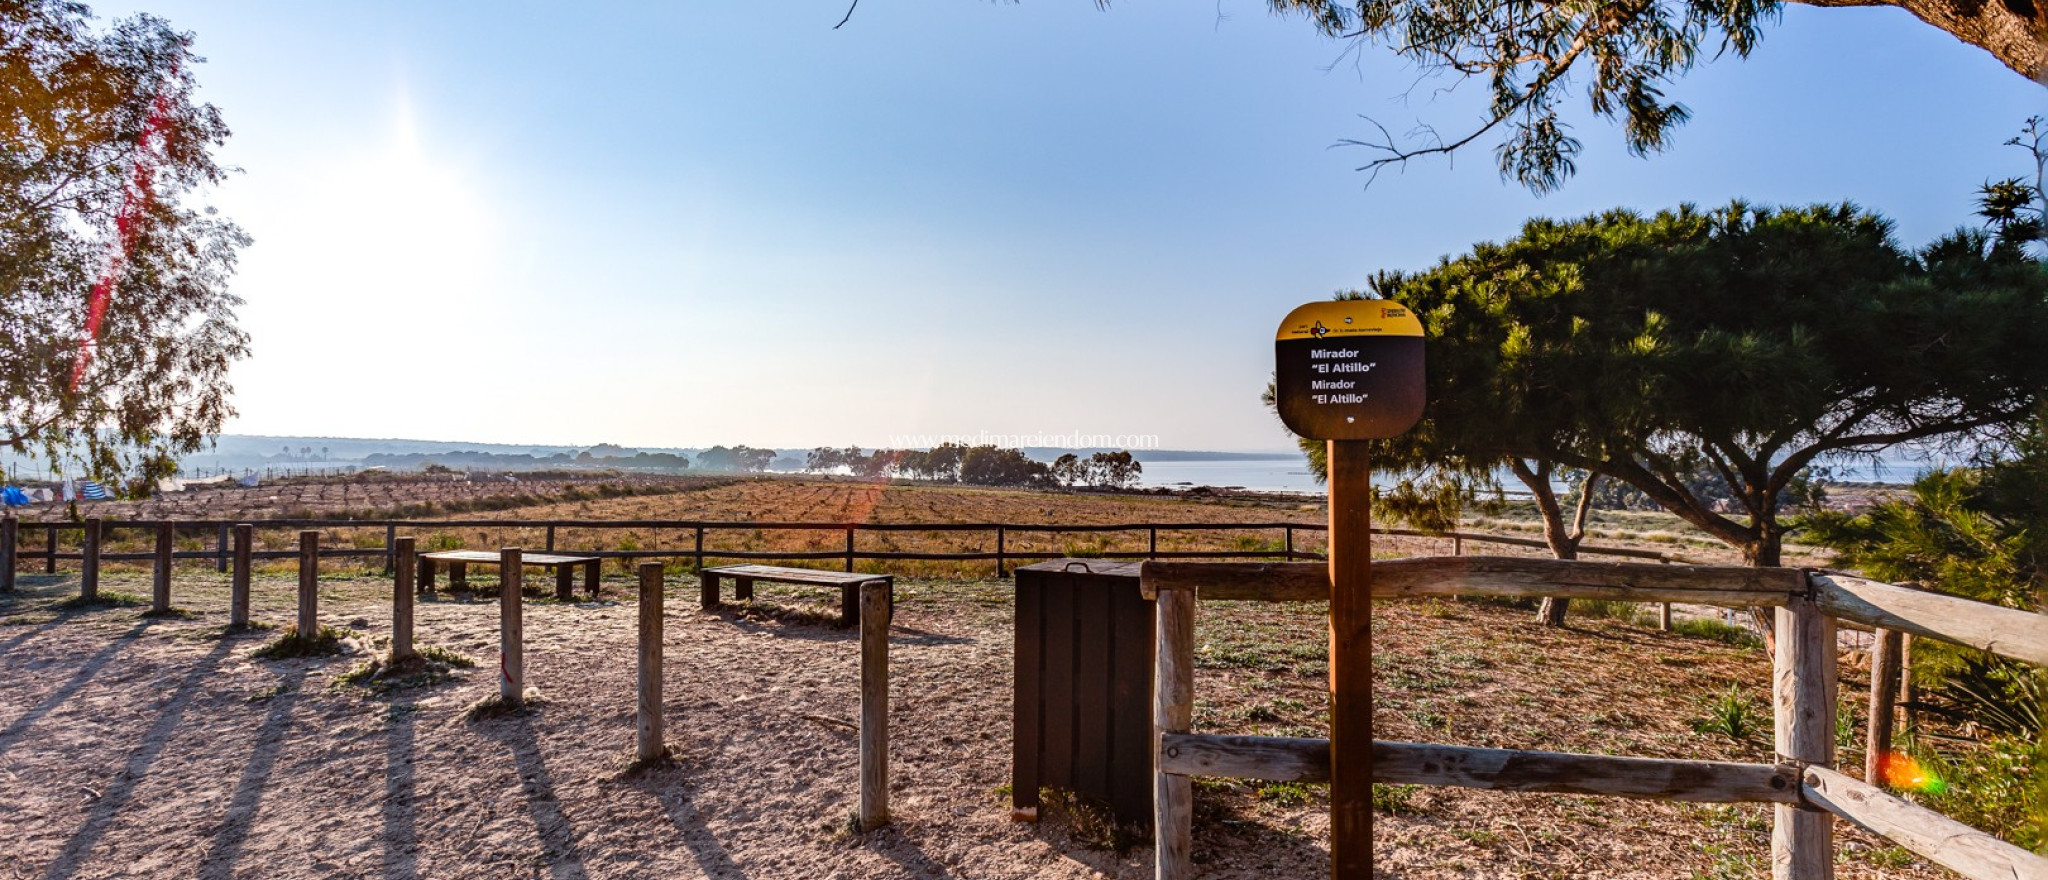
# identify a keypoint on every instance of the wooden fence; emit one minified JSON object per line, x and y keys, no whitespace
{"x":1805,"y":789}
{"x":690,"y":540}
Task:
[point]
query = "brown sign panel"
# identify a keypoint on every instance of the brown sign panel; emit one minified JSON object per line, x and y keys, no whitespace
{"x":1349,"y":370}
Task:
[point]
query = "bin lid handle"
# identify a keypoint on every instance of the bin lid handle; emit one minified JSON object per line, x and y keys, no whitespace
{"x":1084,"y":567}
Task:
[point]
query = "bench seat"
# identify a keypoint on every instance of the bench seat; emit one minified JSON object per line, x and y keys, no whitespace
{"x":744,"y":576}
{"x":458,"y":562}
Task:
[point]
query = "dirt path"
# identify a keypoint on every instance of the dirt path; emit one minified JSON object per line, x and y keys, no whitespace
{"x":136,"y":748}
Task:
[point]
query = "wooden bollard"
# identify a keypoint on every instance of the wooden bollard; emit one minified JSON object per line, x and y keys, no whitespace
{"x":160,"y":573}
{"x":309,"y":584}
{"x":511,"y":626}
{"x":1884,"y":700}
{"x":649,"y":740}
{"x":238,"y":580}
{"x":1803,"y":700}
{"x":10,"y":531}
{"x":1173,"y":711}
{"x":89,"y":563}
{"x":874,"y":704}
{"x":401,"y":598}
{"x":1350,"y":552}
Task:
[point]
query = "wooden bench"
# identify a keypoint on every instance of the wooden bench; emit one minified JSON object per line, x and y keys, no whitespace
{"x":744,"y":576}
{"x":458,"y":569}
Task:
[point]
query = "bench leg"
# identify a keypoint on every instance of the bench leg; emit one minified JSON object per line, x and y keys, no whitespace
{"x":565,"y":582}
{"x":707,"y":591}
{"x":458,"y":577}
{"x":426,"y":575}
{"x":743,"y":589}
{"x":849,"y":601}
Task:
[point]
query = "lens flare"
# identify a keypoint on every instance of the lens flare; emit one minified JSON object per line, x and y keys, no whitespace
{"x":1901,"y":771}
{"x":127,"y":226}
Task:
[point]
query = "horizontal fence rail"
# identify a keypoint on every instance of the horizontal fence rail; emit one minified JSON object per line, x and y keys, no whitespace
{"x":693,"y":533}
{"x":1299,"y":759}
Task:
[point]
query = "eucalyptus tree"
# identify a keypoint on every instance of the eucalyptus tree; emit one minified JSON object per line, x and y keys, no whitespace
{"x":118,"y":328}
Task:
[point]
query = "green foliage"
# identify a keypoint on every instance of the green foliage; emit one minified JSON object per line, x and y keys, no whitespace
{"x":104,"y":599}
{"x":1732,"y":715}
{"x":1624,"y":55}
{"x":1995,"y":786}
{"x":1287,"y":794}
{"x":1745,"y":341}
{"x":1396,"y":800}
{"x":290,"y":645}
{"x":736,"y":458}
{"x":75,"y":106}
{"x":1709,"y":628}
{"x":999,"y":466}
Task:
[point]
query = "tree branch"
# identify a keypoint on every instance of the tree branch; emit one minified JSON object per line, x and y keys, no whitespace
{"x":2017,"y":41}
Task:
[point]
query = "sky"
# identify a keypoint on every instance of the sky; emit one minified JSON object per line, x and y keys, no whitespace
{"x":675,"y":225}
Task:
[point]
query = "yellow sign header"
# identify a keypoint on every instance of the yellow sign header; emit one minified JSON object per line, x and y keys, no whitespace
{"x":1349,"y":317}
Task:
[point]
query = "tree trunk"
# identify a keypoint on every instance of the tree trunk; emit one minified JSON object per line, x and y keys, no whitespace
{"x":1765,"y":551}
{"x":1564,"y":542}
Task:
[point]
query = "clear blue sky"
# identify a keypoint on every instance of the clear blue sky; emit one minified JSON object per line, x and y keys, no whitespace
{"x":668,"y":225}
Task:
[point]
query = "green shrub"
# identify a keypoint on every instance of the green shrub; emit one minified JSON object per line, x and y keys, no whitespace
{"x":1731,"y":715}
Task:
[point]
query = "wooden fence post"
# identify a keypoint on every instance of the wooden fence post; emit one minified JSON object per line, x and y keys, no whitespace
{"x":390,"y":548}
{"x":649,"y":730}
{"x":1151,"y":542}
{"x":1173,"y":711}
{"x":849,"y":548}
{"x":220,"y":550}
{"x":160,"y":572}
{"x":511,"y":628}
{"x":1288,"y":534}
{"x":1350,"y":555}
{"x":874,"y":704}
{"x":1001,"y":570}
{"x":551,"y":538}
{"x":1664,"y":617}
{"x":309,"y":584}
{"x":1884,"y":699}
{"x":89,"y":563}
{"x":1803,"y":698}
{"x":1908,"y":699}
{"x":10,"y":531}
{"x":50,"y":549}
{"x":699,"y":553}
{"x":401,"y":597}
{"x":238,"y":581}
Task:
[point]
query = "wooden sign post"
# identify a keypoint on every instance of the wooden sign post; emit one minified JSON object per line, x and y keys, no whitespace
{"x":1347,"y":372}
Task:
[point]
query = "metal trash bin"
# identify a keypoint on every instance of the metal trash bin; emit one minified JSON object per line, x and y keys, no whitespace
{"x":1083,"y":697}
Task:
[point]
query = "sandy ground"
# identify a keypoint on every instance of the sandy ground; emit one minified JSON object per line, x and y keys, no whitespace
{"x":161,"y":748}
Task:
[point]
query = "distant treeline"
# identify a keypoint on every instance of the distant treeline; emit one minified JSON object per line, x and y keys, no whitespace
{"x":980,"y":466}
{"x":603,"y":455}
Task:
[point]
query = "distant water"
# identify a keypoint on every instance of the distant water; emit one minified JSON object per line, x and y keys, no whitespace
{"x":1292,"y":474}
{"x":1276,"y":475}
